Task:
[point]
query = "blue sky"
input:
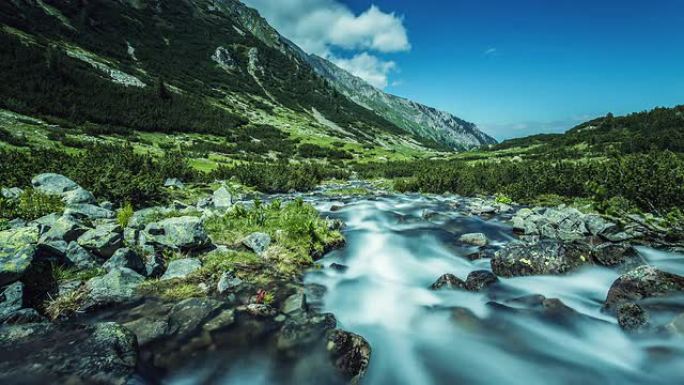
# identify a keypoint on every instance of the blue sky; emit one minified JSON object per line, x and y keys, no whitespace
{"x":514,"y":67}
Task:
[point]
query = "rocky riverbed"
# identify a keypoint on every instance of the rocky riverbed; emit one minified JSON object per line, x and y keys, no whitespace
{"x":427,"y":290}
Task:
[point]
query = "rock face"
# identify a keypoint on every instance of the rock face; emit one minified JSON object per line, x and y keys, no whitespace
{"x":350,"y":354}
{"x":127,"y":258}
{"x":475,"y":239}
{"x":642,"y":282}
{"x":181,"y":268}
{"x":257,"y":242}
{"x":118,"y":285}
{"x":541,"y":258}
{"x":103,"y":240}
{"x":181,"y":233}
{"x":102,"y":353}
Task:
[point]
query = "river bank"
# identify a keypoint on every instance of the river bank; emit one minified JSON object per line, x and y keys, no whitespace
{"x":438,"y":288}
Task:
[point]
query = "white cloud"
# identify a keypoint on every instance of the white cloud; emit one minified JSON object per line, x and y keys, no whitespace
{"x":368,"y":67}
{"x":491,"y":51}
{"x":321,"y":26}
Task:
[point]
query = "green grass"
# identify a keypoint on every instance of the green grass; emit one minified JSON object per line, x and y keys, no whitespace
{"x":62,"y":273}
{"x":171,"y":290}
{"x":297,"y":232}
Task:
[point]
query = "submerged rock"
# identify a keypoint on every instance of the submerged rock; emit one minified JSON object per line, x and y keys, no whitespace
{"x":544,"y":257}
{"x":631,"y":316}
{"x":102,"y":353}
{"x":350,"y":354}
{"x":448,"y":281}
{"x":479,"y":280}
{"x":475,"y":239}
{"x":642,"y":282}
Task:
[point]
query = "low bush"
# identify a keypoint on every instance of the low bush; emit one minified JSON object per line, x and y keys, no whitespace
{"x":30,"y":205}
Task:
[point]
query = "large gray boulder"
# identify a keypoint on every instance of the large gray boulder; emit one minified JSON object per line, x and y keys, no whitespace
{"x":78,"y":196}
{"x":119,"y":285}
{"x":181,"y":268}
{"x":14,"y":263}
{"x":103,"y":240}
{"x":100,"y":353}
{"x":181,"y":233}
{"x":11,"y":193}
{"x":80,"y":257}
{"x":18,"y":238}
{"x":53,"y":184}
{"x":127,"y":258}
{"x":541,"y":258}
{"x":89,"y":211}
{"x":257,"y":242}
{"x":222,"y":199}
{"x":63,"y":231}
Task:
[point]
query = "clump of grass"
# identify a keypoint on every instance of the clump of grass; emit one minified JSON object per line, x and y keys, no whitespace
{"x":65,"y":305}
{"x":171,"y":290}
{"x":503,"y":198}
{"x":297,"y":231}
{"x":353,"y":191}
{"x":61,"y":273}
{"x":124,"y":215}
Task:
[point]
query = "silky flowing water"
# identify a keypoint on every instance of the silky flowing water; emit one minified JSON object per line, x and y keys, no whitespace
{"x":398,"y":245}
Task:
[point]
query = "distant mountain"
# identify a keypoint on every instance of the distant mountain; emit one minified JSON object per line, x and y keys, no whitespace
{"x":423,"y":121}
{"x":658,"y":129}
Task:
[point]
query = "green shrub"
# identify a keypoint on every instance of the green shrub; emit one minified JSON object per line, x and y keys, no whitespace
{"x":31,"y":205}
{"x":124,"y":215}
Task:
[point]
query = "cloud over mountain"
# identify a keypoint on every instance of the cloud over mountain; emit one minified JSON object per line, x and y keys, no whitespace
{"x":324,"y":26}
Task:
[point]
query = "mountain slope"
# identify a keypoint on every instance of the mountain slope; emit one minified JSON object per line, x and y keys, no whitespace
{"x":162,"y":65}
{"x":423,"y":121}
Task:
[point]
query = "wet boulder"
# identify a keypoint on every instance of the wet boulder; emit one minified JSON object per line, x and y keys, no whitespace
{"x":125,"y":257}
{"x":480,"y":280}
{"x":257,"y":242}
{"x":188,"y":315}
{"x":296,"y":303}
{"x":103,"y":240}
{"x":180,"y":233}
{"x":631,"y":317}
{"x":640,"y":283}
{"x":304,"y":331}
{"x":546,"y":257}
{"x":448,"y":281}
{"x":181,"y":268}
{"x":102,"y":353}
{"x":118,"y":285}
{"x":474,"y":239}
{"x":350,"y":354}
{"x":617,"y":254}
